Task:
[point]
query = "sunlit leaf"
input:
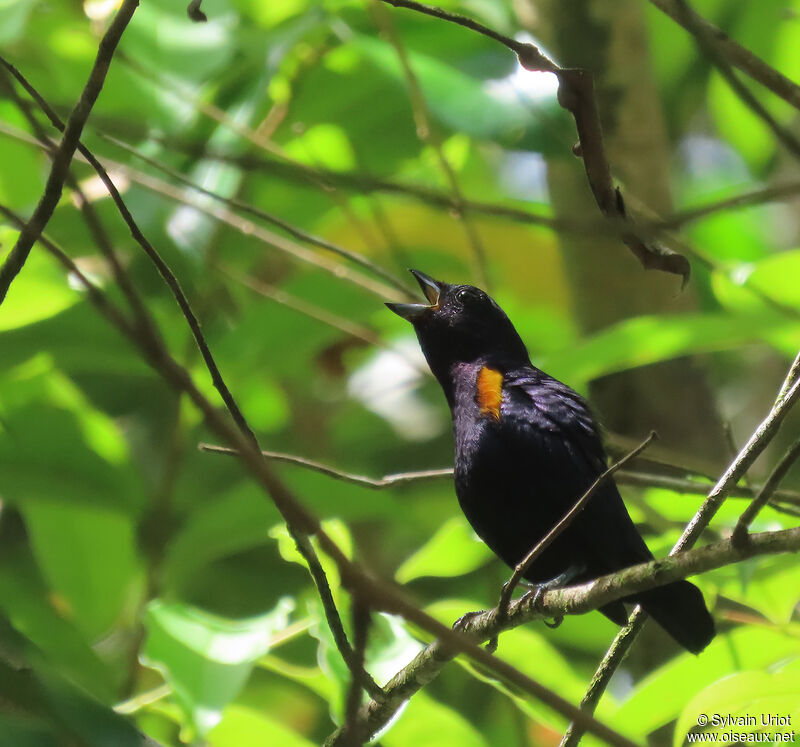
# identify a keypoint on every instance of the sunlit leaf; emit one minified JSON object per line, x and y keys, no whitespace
{"x":644,"y":340}
{"x":40,"y":291}
{"x":205,"y":658}
{"x":67,"y":541}
{"x":746,"y":702}
{"x":452,"y":551}
{"x":498,"y":111}
{"x":246,"y":727}
{"x":429,"y":723}
{"x":662,"y":695}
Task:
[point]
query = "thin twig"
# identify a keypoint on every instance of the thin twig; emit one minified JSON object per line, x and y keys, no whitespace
{"x":532,"y":54}
{"x":283,"y":297}
{"x":248,"y":209}
{"x":249,"y":229}
{"x":743,"y":200}
{"x":623,"y":477}
{"x":429,"y":136}
{"x":353,"y":734}
{"x":387,"y":481}
{"x":689,"y":20}
{"x":740,"y":531}
{"x":733,"y":52}
{"x":63,"y":154}
{"x":354,"y":662}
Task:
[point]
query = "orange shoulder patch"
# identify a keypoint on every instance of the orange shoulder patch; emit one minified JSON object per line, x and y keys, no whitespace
{"x":490,"y":391}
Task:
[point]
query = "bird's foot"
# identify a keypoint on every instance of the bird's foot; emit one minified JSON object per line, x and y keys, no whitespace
{"x":533,"y":597}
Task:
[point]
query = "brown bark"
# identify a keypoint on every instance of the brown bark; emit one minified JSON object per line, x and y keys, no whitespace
{"x":609,"y":38}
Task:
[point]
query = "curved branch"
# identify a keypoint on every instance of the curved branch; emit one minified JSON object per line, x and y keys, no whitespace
{"x":62,"y":156}
{"x":571,"y":600}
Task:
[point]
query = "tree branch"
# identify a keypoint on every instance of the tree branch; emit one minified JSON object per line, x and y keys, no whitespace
{"x":63,"y":154}
{"x":689,"y":20}
{"x":571,"y":600}
{"x":764,"y":433}
{"x":740,"y":536}
{"x":733,"y":52}
{"x":576,"y":95}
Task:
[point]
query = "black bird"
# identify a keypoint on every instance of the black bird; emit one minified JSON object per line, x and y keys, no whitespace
{"x":526,"y":448}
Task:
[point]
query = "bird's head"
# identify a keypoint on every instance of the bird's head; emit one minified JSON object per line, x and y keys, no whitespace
{"x":460,"y":323}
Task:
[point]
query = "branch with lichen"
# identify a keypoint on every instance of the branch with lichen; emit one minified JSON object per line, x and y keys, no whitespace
{"x":573,"y":600}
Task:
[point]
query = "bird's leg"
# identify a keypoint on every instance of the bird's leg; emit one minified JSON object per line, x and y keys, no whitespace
{"x":535,"y":591}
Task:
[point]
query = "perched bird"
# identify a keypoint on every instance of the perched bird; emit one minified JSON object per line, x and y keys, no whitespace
{"x":526,"y":449}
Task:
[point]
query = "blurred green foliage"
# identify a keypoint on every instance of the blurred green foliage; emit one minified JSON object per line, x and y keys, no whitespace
{"x":137,"y":572}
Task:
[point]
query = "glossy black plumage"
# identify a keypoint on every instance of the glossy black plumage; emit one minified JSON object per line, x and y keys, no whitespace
{"x":522,"y":461}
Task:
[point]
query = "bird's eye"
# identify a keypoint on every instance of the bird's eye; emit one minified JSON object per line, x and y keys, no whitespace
{"x":463,"y":294}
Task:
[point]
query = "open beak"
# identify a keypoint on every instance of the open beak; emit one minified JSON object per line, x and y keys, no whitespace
{"x":413,"y":311}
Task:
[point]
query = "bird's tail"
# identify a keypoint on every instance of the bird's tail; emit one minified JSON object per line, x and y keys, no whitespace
{"x":679,"y":608}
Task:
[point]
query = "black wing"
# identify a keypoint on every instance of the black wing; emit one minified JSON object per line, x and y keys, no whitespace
{"x":557,"y":422}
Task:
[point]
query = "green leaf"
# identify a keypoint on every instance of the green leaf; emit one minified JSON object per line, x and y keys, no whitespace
{"x":41,"y":708}
{"x":31,"y":609}
{"x":663,"y":695}
{"x":751,"y":696}
{"x":45,"y":457}
{"x":236,"y":521}
{"x":468,"y":105}
{"x":205,"y":658}
{"x":14,"y":16}
{"x":88,"y":557}
{"x":648,"y":339}
{"x":40,"y":291}
{"x":453,"y":551}
{"x":770,"y":586}
{"x":245,"y":727}
{"x":425,"y":722}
